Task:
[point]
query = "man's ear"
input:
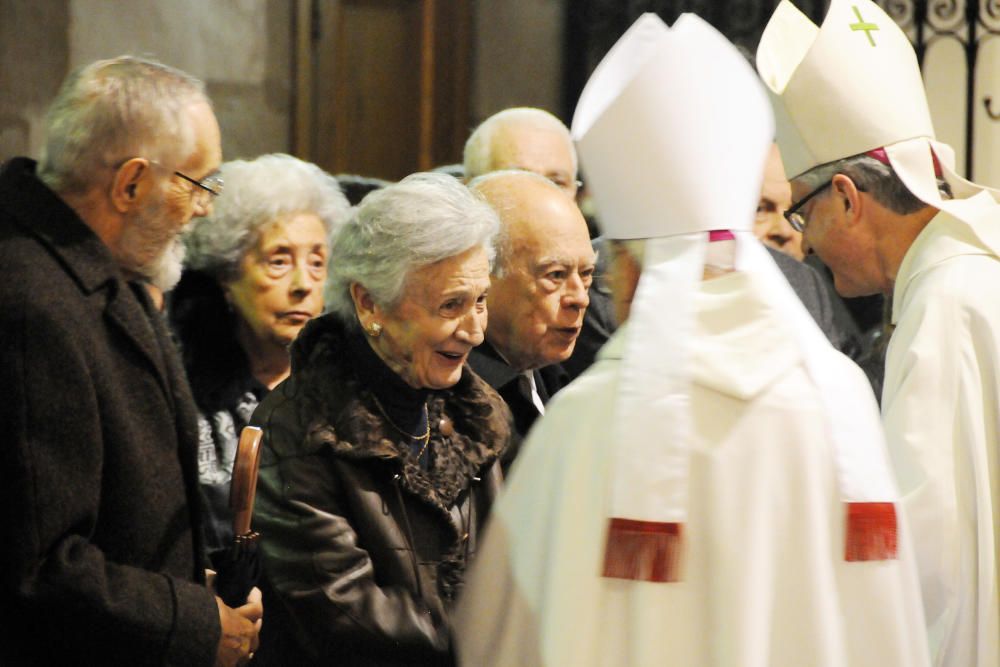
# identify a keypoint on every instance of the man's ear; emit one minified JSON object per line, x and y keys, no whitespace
{"x":849,"y":194}
{"x":130,"y":184}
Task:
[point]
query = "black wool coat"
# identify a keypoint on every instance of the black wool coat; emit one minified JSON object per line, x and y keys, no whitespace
{"x":365,"y":551}
{"x":490,"y":366}
{"x":99,"y":522}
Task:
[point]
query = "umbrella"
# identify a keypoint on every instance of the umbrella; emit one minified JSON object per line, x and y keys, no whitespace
{"x":238,"y":566}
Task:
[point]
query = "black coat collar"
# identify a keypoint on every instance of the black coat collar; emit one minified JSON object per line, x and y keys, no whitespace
{"x":489,"y":365}
{"x":42,"y":214}
{"x":56,"y":225}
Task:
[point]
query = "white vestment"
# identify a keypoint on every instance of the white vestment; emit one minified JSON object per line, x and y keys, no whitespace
{"x":942,"y":421}
{"x":764,"y":581}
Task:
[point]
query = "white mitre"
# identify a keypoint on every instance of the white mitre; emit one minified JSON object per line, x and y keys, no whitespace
{"x":851,"y":86}
{"x":673,"y":130}
{"x":841,"y":90}
{"x":659,"y":133}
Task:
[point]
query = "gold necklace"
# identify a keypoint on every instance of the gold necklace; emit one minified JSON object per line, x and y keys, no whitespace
{"x":425,"y":436}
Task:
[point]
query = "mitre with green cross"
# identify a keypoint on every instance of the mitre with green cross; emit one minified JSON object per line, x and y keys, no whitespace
{"x":847,"y":87}
{"x":854,"y":85}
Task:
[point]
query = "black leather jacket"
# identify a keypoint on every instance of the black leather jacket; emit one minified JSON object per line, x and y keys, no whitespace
{"x":364,"y":551}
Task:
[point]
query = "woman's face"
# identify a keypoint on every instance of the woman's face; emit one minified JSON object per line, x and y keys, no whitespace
{"x":427,"y":336}
{"x":280,"y":285}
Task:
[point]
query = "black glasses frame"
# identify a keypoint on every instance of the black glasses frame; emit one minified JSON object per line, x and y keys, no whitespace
{"x":215,"y":189}
{"x":796,"y":219}
{"x":212,"y":184}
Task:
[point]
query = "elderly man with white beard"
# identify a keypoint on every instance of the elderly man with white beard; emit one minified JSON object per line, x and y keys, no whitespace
{"x":101,"y":526}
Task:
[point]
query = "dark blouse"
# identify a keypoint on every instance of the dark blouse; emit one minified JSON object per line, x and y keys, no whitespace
{"x":403,"y":406}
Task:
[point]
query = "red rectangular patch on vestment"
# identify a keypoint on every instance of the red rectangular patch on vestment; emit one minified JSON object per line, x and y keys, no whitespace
{"x":871,"y":532}
{"x":643,"y":551}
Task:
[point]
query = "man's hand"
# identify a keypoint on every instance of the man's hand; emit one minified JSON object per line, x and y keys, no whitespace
{"x":240,"y":630}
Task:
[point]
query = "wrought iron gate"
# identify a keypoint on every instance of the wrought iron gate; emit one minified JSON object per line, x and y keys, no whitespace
{"x":594,"y":25}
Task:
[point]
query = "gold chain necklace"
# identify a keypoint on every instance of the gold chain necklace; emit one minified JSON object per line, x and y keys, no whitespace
{"x":425,"y":436}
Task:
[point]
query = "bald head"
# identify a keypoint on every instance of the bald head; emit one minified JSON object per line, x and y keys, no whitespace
{"x":523,"y":138}
{"x":543,"y":272}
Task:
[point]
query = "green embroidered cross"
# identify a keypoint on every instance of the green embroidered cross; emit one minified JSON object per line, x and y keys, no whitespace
{"x":862,"y":25}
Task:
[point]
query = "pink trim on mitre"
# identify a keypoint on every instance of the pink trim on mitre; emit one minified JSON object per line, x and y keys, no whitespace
{"x":720,"y":235}
{"x":883,"y":157}
{"x":643,"y":550}
{"x":871,"y":532}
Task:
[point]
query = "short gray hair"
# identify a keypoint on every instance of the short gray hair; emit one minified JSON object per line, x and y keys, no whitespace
{"x":478,"y":155}
{"x":502,"y":201}
{"x":258,"y":193}
{"x":113,"y":110}
{"x":423,"y":219}
{"x":874,"y":177}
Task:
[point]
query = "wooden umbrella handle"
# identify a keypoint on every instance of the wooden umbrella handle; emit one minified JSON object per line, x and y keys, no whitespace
{"x":243,"y":487}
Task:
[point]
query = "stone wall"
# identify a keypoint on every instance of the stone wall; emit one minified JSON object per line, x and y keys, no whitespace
{"x":34,"y":57}
{"x":242,"y":49}
{"x":518,"y":58}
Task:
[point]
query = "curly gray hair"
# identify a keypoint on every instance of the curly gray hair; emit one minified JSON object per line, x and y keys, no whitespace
{"x":258,"y":193}
{"x":112,"y":110}
{"x":423,"y":219}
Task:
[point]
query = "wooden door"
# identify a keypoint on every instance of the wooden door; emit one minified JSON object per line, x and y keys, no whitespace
{"x":382,"y":86}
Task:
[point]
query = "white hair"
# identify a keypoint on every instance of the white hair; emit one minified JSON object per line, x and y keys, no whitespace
{"x":423,"y":219}
{"x":478,"y":155}
{"x":258,"y":193}
{"x":166,"y":271}
{"x":112,"y":110}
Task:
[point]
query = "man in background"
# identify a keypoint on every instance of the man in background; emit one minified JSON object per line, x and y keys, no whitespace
{"x":770,"y":225}
{"x":534,"y":140}
{"x":538,"y":295}
{"x":523,"y":138}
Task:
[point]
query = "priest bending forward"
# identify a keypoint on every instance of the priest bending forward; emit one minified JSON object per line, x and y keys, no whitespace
{"x":715,"y":489}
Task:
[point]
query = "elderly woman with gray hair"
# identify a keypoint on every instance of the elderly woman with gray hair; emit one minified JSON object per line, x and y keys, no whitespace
{"x":380,"y":451}
{"x":253,"y":277}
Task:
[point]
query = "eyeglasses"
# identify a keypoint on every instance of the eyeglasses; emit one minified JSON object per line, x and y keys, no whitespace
{"x":796,"y":219}
{"x":212,"y":185}
{"x":207,"y":188}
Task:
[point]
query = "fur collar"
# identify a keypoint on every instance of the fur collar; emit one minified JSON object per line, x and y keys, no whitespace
{"x":344,"y":418}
